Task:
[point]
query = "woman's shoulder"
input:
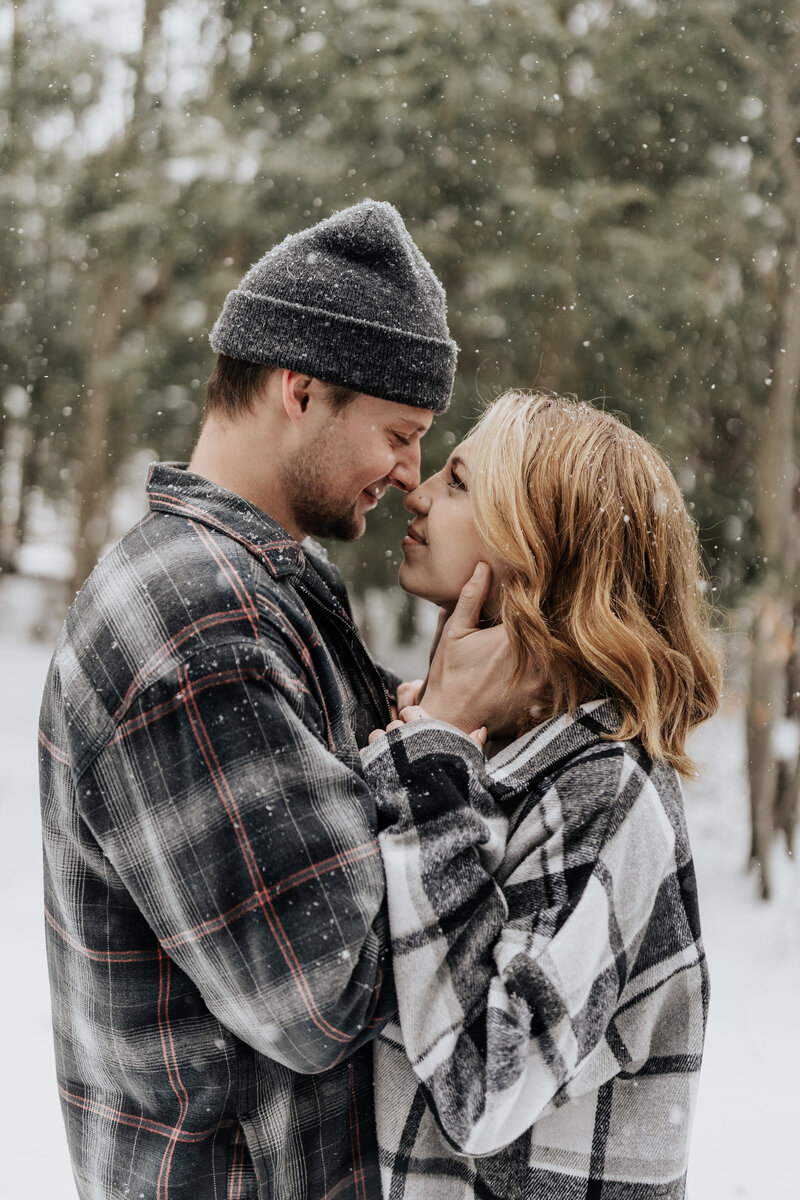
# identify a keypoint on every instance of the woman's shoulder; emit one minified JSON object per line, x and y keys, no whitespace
{"x":571,"y":773}
{"x":558,"y":745}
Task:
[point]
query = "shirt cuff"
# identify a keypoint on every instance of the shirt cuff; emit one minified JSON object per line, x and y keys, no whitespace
{"x":424,"y":736}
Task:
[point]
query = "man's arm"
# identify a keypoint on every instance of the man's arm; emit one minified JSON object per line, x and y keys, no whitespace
{"x":250,"y":849}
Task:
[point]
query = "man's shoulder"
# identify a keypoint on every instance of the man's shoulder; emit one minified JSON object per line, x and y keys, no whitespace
{"x":166,"y":593}
{"x":180,"y":572}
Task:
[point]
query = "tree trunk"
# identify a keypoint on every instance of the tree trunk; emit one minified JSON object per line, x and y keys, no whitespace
{"x":407,"y":620}
{"x":35,"y":456}
{"x":12,"y":151}
{"x":94,"y":483}
{"x":775,"y":469}
{"x":773,"y":607}
{"x":12,"y":469}
{"x":786,"y":389}
{"x":787,"y":794}
{"x":787,"y":797}
{"x":770,"y":641}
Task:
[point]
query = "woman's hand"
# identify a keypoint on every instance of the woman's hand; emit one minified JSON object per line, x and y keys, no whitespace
{"x":413,"y":712}
{"x":471,"y":668}
{"x":409,"y":693}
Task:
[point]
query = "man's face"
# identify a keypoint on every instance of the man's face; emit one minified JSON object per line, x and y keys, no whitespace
{"x":351,"y":457}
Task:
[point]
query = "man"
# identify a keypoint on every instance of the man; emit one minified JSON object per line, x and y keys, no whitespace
{"x":215,"y":901}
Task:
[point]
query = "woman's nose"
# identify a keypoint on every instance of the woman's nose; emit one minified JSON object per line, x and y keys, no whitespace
{"x":417,"y":501}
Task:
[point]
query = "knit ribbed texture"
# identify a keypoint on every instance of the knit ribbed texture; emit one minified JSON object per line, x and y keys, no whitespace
{"x":351,"y":301}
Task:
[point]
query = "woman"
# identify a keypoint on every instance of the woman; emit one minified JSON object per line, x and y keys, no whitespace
{"x":551,"y":979}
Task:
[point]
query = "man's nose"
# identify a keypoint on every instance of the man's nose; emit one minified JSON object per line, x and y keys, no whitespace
{"x":406,"y":472}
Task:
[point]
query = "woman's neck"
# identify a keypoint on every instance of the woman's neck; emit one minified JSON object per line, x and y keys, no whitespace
{"x":495,"y":745}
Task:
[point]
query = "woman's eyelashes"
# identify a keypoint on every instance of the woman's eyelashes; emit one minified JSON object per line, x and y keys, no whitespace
{"x":455,"y":481}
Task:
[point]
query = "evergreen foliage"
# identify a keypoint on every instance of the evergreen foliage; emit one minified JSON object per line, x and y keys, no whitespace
{"x":596,"y":185}
{"x":610,"y":193}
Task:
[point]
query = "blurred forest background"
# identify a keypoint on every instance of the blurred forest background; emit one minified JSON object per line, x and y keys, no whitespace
{"x":610,"y":193}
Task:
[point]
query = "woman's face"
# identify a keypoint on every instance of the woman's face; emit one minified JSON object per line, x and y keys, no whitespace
{"x":442,"y":545}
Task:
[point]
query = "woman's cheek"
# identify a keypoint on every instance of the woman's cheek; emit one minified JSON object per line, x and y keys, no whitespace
{"x":464,"y":570}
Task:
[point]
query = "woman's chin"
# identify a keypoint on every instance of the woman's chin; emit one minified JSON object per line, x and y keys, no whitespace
{"x":408,"y":583}
{"x":412,"y":582}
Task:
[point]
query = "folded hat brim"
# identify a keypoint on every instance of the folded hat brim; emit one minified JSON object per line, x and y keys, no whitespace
{"x":398,"y":365}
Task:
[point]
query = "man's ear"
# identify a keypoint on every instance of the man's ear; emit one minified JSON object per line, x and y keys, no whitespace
{"x":294,"y":394}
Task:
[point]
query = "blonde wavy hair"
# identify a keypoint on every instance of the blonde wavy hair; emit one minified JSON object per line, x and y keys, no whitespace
{"x":604,"y":591}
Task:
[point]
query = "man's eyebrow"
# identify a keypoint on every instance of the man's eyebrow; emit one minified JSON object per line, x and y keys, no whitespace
{"x":408,"y":425}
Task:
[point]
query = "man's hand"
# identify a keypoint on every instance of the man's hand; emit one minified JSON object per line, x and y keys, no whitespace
{"x":468,"y":680}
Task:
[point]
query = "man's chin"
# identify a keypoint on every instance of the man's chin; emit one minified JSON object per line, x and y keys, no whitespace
{"x":345,"y":528}
{"x":353,"y":527}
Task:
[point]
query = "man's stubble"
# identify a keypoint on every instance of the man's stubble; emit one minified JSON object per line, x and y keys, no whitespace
{"x":308,"y":480}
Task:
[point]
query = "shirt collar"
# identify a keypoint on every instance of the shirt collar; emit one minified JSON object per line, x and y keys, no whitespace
{"x":171,"y":488}
{"x":542,"y":749}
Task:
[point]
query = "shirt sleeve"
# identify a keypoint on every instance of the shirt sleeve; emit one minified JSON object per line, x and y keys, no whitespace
{"x":506,"y":994}
{"x":250,"y":849}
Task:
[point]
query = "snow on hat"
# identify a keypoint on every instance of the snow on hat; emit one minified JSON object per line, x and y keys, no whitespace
{"x":351,"y":301}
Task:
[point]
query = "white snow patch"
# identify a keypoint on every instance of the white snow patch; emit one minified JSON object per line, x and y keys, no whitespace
{"x":746,"y":1123}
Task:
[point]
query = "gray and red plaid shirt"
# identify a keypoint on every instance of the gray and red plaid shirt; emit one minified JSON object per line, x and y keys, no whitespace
{"x":217,"y":934}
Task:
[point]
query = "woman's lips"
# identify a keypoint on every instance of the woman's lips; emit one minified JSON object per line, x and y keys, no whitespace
{"x":413,"y":538}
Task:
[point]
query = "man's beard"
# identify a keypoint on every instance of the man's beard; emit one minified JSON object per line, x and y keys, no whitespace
{"x":314,"y":512}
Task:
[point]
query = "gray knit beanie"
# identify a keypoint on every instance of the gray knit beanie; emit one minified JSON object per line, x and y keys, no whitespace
{"x":350,"y":301}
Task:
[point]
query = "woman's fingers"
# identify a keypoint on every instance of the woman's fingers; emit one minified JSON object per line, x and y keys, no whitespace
{"x":379,"y":733}
{"x":408,"y":693}
{"x":467,"y":612}
{"x":413,"y":712}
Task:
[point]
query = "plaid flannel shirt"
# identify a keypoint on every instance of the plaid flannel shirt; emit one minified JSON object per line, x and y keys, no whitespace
{"x":552,"y":987}
{"x":215,"y":900}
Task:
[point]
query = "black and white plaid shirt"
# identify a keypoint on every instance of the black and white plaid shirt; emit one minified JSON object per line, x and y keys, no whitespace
{"x":215,"y":904}
{"x":551,"y":979}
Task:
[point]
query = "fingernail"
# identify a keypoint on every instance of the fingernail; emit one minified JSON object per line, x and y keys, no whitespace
{"x":480,"y":570}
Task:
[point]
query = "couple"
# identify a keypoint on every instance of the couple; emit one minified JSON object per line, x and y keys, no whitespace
{"x":300,"y":946}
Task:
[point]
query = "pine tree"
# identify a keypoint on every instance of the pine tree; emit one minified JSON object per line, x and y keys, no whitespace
{"x":608,"y":192}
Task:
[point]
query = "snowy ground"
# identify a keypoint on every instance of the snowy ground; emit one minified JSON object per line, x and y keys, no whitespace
{"x":747,"y":1122}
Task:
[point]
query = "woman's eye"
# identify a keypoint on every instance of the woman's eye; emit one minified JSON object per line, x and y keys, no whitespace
{"x":456,"y":482}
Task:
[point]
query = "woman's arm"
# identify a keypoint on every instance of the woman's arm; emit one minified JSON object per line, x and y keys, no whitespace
{"x":507,"y":995}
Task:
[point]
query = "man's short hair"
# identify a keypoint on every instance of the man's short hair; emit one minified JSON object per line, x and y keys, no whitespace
{"x":235,"y":385}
